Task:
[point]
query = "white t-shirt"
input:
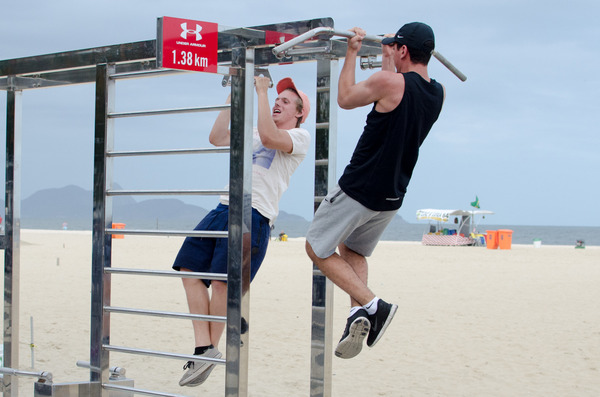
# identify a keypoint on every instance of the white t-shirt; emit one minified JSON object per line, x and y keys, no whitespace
{"x":272,"y":170}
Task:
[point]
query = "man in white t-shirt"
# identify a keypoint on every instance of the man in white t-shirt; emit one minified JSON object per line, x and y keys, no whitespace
{"x":279,"y":146}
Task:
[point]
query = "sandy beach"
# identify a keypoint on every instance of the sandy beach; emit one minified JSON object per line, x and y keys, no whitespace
{"x":471,"y":321}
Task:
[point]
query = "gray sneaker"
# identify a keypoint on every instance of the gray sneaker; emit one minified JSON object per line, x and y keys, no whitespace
{"x":198,"y":371}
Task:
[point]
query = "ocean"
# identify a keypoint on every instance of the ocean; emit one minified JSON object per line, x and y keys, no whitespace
{"x":549,"y":235}
{"x":396,"y":231}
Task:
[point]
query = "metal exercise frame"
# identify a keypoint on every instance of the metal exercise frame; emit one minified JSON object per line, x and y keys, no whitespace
{"x":240,"y":51}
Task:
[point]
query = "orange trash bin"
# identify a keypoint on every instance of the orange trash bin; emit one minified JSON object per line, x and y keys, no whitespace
{"x":491,"y":239}
{"x":118,"y":226}
{"x":505,"y":239}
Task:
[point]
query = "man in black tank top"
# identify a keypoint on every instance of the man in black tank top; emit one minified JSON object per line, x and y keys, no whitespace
{"x":352,"y":218}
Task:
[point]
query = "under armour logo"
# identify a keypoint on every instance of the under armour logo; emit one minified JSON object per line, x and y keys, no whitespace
{"x":185,"y":31}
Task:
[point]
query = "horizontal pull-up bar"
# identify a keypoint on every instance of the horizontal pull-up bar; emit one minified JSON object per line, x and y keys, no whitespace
{"x":281,"y":50}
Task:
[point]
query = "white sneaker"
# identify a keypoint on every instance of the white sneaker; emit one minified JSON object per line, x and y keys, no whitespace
{"x":199,"y":370}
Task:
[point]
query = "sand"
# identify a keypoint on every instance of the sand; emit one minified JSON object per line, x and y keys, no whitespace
{"x":471,"y":321}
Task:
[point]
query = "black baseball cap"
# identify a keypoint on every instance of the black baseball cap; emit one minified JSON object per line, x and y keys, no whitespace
{"x":414,"y":35}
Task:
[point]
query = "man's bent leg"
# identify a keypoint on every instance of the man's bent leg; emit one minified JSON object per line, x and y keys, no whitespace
{"x":218,"y":307}
{"x":384,"y":313}
{"x":198,"y":302}
{"x":358,"y":264}
{"x":351,"y":277}
{"x":342,"y":274}
{"x":350,"y":274}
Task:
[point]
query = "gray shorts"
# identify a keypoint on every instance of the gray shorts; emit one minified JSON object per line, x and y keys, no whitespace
{"x":339,"y":219}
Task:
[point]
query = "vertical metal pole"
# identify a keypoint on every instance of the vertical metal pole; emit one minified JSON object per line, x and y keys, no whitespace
{"x":240,"y":217}
{"x":325,"y":180}
{"x":101,"y":242}
{"x":12,"y":251}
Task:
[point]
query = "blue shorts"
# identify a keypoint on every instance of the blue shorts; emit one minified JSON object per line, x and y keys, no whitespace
{"x":209,"y":254}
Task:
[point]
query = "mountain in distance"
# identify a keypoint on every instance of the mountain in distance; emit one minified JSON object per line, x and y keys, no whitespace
{"x":291,"y":224}
{"x":71,"y":207}
{"x":50,"y":208}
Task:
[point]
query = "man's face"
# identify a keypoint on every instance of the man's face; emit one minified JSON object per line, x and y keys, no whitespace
{"x":285,"y":107}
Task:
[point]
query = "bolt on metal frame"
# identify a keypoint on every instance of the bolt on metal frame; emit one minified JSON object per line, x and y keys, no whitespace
{"x":241,"y":50}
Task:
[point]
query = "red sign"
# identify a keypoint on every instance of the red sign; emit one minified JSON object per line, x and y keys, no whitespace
{"x":188,"y":45}
{"x":272,"y":37}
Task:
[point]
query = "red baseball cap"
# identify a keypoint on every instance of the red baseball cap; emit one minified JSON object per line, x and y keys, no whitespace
{"x":287,"y":83}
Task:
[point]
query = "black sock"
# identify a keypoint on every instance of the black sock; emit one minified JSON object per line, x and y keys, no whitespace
{"x":201,"y":349}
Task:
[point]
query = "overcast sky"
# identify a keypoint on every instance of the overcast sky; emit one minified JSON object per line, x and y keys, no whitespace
{"x":521,"y":133}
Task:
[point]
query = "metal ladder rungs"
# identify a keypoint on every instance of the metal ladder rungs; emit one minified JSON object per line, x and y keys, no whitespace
{"x":179,"y":233}
{"x":164,"y":71}
{"x":154,"y":353}
{"x":223,"y":149}
{"x":109,"y":386}
{"x":164,"y":314}
{"x":146,"y":73}
{"x":166,"y":273}
{"x":158,"y":112}
{"x":189,"y":192}
{"x":43,"y":375}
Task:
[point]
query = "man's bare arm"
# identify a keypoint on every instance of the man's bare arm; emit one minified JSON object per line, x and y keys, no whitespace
{"x":220,"y":134}
{"x":270,"y":135}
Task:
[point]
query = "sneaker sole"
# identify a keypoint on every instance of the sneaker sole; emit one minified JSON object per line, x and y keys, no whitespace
{"x":352,"y":344}
{"x":388,"y":320}
{"x":198,"y":377}
{"x":203,"y":377}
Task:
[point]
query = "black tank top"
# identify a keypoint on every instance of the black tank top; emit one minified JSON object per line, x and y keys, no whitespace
{"x":387,"y":151}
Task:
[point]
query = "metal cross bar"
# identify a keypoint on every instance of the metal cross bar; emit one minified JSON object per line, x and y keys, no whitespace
{"x":134,"y":390}
{"x":47,"y":376}
{"x":114,"y":371}
{"x":154,"y":353}
{"x":164,"y":314}
{"x":189,"y":192}
{"x":168,"y":111}
{"x":281,"y":50}
{"x":166,"y":273}
{"x":197,"y":233}
{"x":224,"y":149}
